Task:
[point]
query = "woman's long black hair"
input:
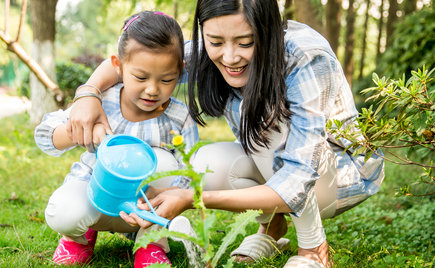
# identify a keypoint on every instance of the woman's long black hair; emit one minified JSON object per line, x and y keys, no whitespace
{"x":264,"y":96}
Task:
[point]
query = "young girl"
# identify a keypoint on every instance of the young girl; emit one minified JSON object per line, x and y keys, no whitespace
{"x":149,"y":61}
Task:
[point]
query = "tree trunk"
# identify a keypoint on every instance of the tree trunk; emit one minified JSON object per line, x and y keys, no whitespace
{"x":307,"y":12}
{"x":43,"y":26}
{"x":409,"y":6}
{"x":333,"y":23}
{"x":176,"y":9}
{"x":391,"y":20}
{"x":364,"y":44}
{"x":288,"y":10}
{"x":380,"y":29}
{"x":349,"y":44}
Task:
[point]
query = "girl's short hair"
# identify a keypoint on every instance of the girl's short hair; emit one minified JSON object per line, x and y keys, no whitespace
{"x":264,"y":96}
{"x":153,"y":30}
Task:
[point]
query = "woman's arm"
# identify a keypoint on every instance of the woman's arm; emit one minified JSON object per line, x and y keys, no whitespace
{"x":257,"y":197}
{"x":172,"y":202}
{"x":87,"y":111}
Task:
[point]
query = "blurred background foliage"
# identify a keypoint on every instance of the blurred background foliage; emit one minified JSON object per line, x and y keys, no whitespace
{"x":389,"y":37}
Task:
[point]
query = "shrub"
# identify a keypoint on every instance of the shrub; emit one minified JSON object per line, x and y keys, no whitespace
{"x":69,"y":76}
{"x":413,"y":46}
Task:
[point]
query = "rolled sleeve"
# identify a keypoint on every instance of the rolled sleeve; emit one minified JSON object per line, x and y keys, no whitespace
{"x":44,"y":132}
{"x":311,"y":94}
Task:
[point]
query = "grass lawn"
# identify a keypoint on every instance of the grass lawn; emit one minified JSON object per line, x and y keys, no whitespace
{"x":384,"y":231}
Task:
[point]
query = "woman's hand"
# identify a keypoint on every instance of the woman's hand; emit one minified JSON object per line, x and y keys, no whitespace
{"x":85,"y":114}
{"x":167,"y":203}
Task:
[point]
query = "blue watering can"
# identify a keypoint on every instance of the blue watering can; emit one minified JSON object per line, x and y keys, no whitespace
{"x":123,"y":162}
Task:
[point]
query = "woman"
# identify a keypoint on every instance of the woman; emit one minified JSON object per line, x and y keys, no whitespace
{"x":277,"y":90}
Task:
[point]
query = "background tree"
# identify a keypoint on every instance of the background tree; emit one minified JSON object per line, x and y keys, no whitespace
{"x":333,"y":23}
{"x":364,"y":40}
{"x":391,"y":20}
{"x":288,"y":12}
{"x":43,"y":51}
{"x":349,"y":42}
{"x":380,"y":30}
{"x":409,"y":6}
{"x":309,"y":12}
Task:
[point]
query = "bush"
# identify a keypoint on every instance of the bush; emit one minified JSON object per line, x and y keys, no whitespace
{"x":69,"y":76}
{"x":413,"y":46}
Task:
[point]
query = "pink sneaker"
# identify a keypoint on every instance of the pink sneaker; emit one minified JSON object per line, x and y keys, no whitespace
{"x":150,"y":255}
{"x":70,"y":252}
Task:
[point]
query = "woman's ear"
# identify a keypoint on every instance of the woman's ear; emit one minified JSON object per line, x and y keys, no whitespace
{"x":116,"y":63}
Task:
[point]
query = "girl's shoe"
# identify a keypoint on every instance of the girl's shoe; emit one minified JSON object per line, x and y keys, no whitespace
{"x":150,"y":255}
{"x":70,"y":252}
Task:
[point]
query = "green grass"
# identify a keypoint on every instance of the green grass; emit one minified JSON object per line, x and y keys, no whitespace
{"x":384,"y":231}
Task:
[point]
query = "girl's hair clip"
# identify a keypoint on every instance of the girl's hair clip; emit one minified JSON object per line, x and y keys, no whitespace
{"x":161,"y":13}
{"x":130,"y":22}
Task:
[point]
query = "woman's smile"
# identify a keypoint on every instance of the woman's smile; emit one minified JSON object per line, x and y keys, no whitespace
{"x":235,"y":71}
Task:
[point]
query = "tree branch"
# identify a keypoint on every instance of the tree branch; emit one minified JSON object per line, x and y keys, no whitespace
{"x":22,"y":16}
{"x":17,"y":49}
{"x":7,"y":4}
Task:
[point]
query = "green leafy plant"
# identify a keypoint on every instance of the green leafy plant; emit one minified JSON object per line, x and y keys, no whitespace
{"x":211,"y":254}
{"x":402,"y":125}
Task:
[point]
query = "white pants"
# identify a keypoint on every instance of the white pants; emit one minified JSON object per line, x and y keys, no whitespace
{"x":70,"y":213}
{"x":234,"y":169}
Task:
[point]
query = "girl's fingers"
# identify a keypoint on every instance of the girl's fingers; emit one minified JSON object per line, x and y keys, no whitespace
{"x":128,"y":219}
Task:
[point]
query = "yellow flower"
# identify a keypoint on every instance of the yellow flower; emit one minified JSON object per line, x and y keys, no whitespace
{"x":177,"y":140}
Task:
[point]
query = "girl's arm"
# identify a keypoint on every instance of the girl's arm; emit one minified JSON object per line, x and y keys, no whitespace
{"x":88,"y":111}
{"x":61,"y":140}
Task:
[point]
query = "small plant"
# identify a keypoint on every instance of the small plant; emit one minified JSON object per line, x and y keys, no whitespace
{"x":211,"y":254}
{"x":402,"y":125}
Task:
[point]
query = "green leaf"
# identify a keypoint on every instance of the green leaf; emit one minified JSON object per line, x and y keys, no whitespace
{"x":236,"y":228}
{"x":155,"y":235}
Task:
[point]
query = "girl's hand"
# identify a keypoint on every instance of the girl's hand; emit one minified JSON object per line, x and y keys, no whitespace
{"x":167,"y":204}
{"x":98,"y":135}
{"x":85,"y":113}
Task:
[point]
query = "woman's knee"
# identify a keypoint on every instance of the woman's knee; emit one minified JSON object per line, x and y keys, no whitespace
{"x":165,"y":162}
{"x":230,"y":167}
{"x":68,"y":210}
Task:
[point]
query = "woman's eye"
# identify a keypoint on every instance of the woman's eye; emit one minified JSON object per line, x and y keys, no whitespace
{"x":247,"y":45}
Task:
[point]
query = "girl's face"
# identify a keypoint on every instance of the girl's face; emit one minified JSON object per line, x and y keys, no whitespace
{"x":149,"y":79}
{"x":229,"y":43}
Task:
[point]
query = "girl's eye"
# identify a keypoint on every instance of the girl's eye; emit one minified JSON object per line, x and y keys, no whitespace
{"x":168,"y":81}
{"x":140,"y":78}
{"x":215,"y":44}
{"x":247,"y":45}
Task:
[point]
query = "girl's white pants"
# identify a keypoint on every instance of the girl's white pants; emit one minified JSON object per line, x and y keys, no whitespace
{"x":70,"y":213}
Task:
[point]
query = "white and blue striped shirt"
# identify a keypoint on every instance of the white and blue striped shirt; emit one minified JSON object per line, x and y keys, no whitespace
{"x":317,"y":91}
{"x":154,"y":131}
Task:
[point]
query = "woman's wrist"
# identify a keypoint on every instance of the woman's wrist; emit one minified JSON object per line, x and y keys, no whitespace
{"x":88,"y":88}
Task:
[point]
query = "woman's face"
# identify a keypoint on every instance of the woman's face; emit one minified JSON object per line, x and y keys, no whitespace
{"x":229,"y":42}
